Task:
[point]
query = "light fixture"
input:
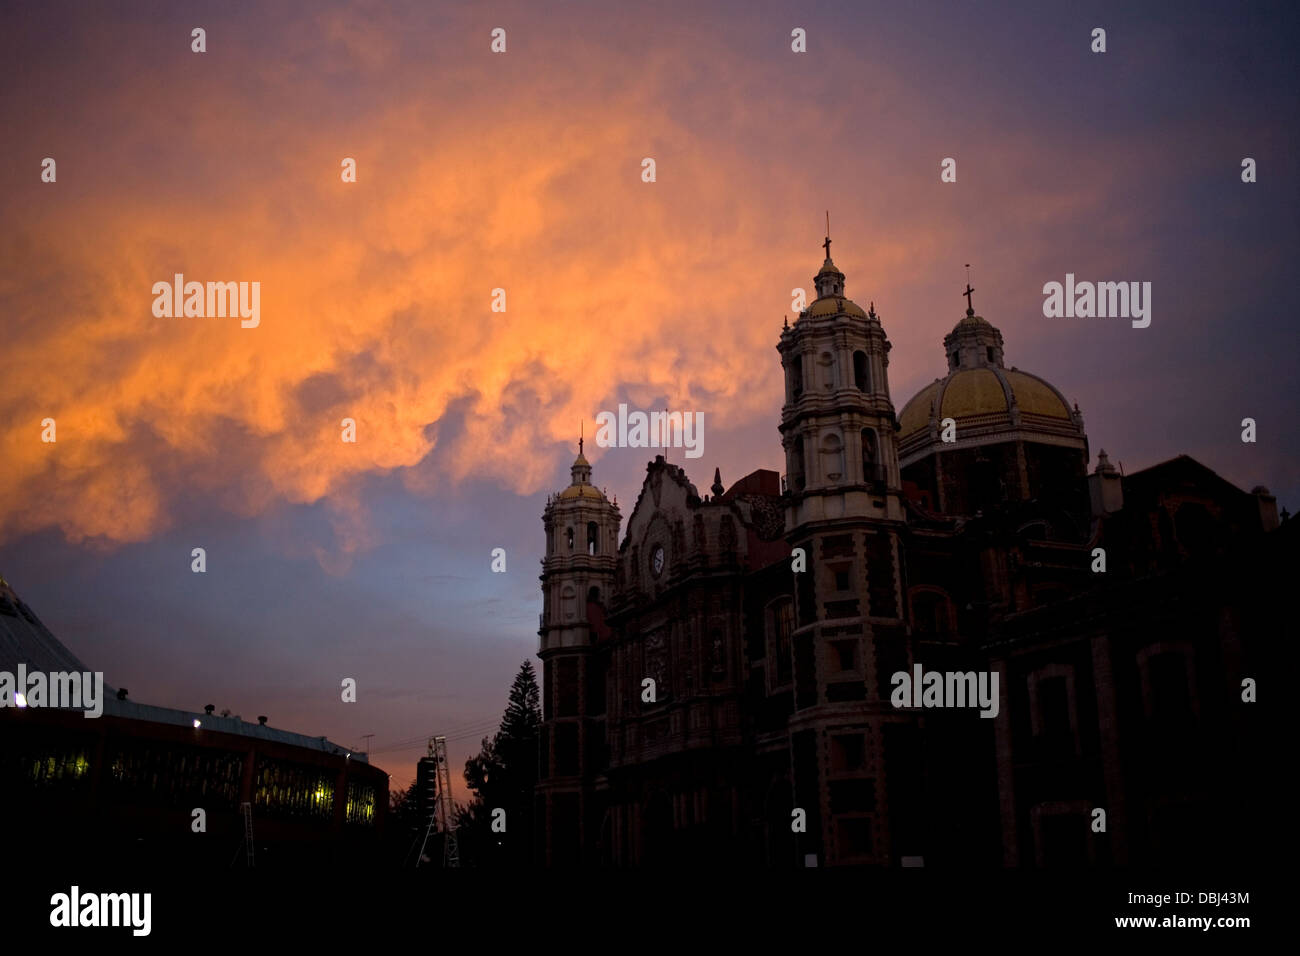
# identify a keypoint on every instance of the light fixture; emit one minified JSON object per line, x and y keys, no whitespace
{"x":197,"y":724}
{"x":20,"y":700}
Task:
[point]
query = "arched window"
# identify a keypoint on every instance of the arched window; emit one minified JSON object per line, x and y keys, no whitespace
{"x":593,"y":595}
{"x":860,"y":376}
{"x":1035,"y":530}
{"x":797,"y":480}
{"x":593,"y":537}
{"x":796,"y":376}
{"x":989,"y":351}
{"x":872,"y":468}
{"x":569,"y":535}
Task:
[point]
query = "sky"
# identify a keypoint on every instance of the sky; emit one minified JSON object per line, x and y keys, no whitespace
{"x":522,"y":171}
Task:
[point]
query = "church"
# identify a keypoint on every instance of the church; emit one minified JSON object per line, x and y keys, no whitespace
{"x":1124,"y":617}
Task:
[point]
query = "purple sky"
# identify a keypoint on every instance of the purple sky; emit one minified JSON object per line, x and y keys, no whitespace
{"x":522,"y":171}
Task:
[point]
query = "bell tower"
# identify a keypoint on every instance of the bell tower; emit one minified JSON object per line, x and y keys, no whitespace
{"x":577,"y":579}
{"x":837,"y":424}
{"x":844,"y":510}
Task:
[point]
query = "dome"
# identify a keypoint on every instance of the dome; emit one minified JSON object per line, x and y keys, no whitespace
{"x":1037,"y":396}
{"x":1015,"y":437}
{"x":916,"y":413}
{"x":582,"y":491}
{"x":970,"y":320}
{"x":988,"y":401}
{"x":581,"y":486}
{"x":974,"y":393}
{"x":834,"y":305}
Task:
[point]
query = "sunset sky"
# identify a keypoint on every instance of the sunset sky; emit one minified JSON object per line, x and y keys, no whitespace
{"x":522,"y":171}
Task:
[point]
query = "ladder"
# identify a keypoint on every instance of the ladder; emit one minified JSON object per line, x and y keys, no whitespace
{"x":247,"y":810}
{"x":446,"y":810}
{"x":444,"y":814}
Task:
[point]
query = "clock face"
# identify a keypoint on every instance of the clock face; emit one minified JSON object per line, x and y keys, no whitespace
{"x":657,"y":560}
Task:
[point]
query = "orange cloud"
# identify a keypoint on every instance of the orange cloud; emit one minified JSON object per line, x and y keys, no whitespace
{"x":375,"y":296}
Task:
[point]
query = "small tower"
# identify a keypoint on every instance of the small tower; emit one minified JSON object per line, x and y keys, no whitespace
{"x":577,"y":578}
{"x":973,"y":342}
{"x":1105,"y":488}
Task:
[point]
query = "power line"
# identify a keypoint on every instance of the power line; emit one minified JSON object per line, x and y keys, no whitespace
{"x":472,"y":727}
{"x":468,"y":730}
{"x":471,"y":731}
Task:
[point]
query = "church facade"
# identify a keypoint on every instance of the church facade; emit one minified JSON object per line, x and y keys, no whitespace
{"x":717,"y":685}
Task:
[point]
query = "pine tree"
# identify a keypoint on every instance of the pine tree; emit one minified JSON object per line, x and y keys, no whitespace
{"x":502,"y":776}
{"x":516,"y":742}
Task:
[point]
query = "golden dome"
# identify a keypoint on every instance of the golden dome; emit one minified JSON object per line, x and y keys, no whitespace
{"x":582,"y":491}
{"x":969,"y":392}
{"x":972,"y":391}
{"x":581,"y":486}
{"x":1036,"y":396}
{"x":835,"y":305}
{"x":916,"y":413}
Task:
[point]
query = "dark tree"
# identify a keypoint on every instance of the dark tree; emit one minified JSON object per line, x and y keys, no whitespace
{"x":502,"y":777}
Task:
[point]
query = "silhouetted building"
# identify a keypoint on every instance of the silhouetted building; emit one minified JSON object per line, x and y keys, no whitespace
{"x":126,"y":783}
{"x":959,"y":536}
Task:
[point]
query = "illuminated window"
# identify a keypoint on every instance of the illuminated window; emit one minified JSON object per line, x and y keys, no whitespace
{"x":293,"y":790}
{"x":361,"y":804}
